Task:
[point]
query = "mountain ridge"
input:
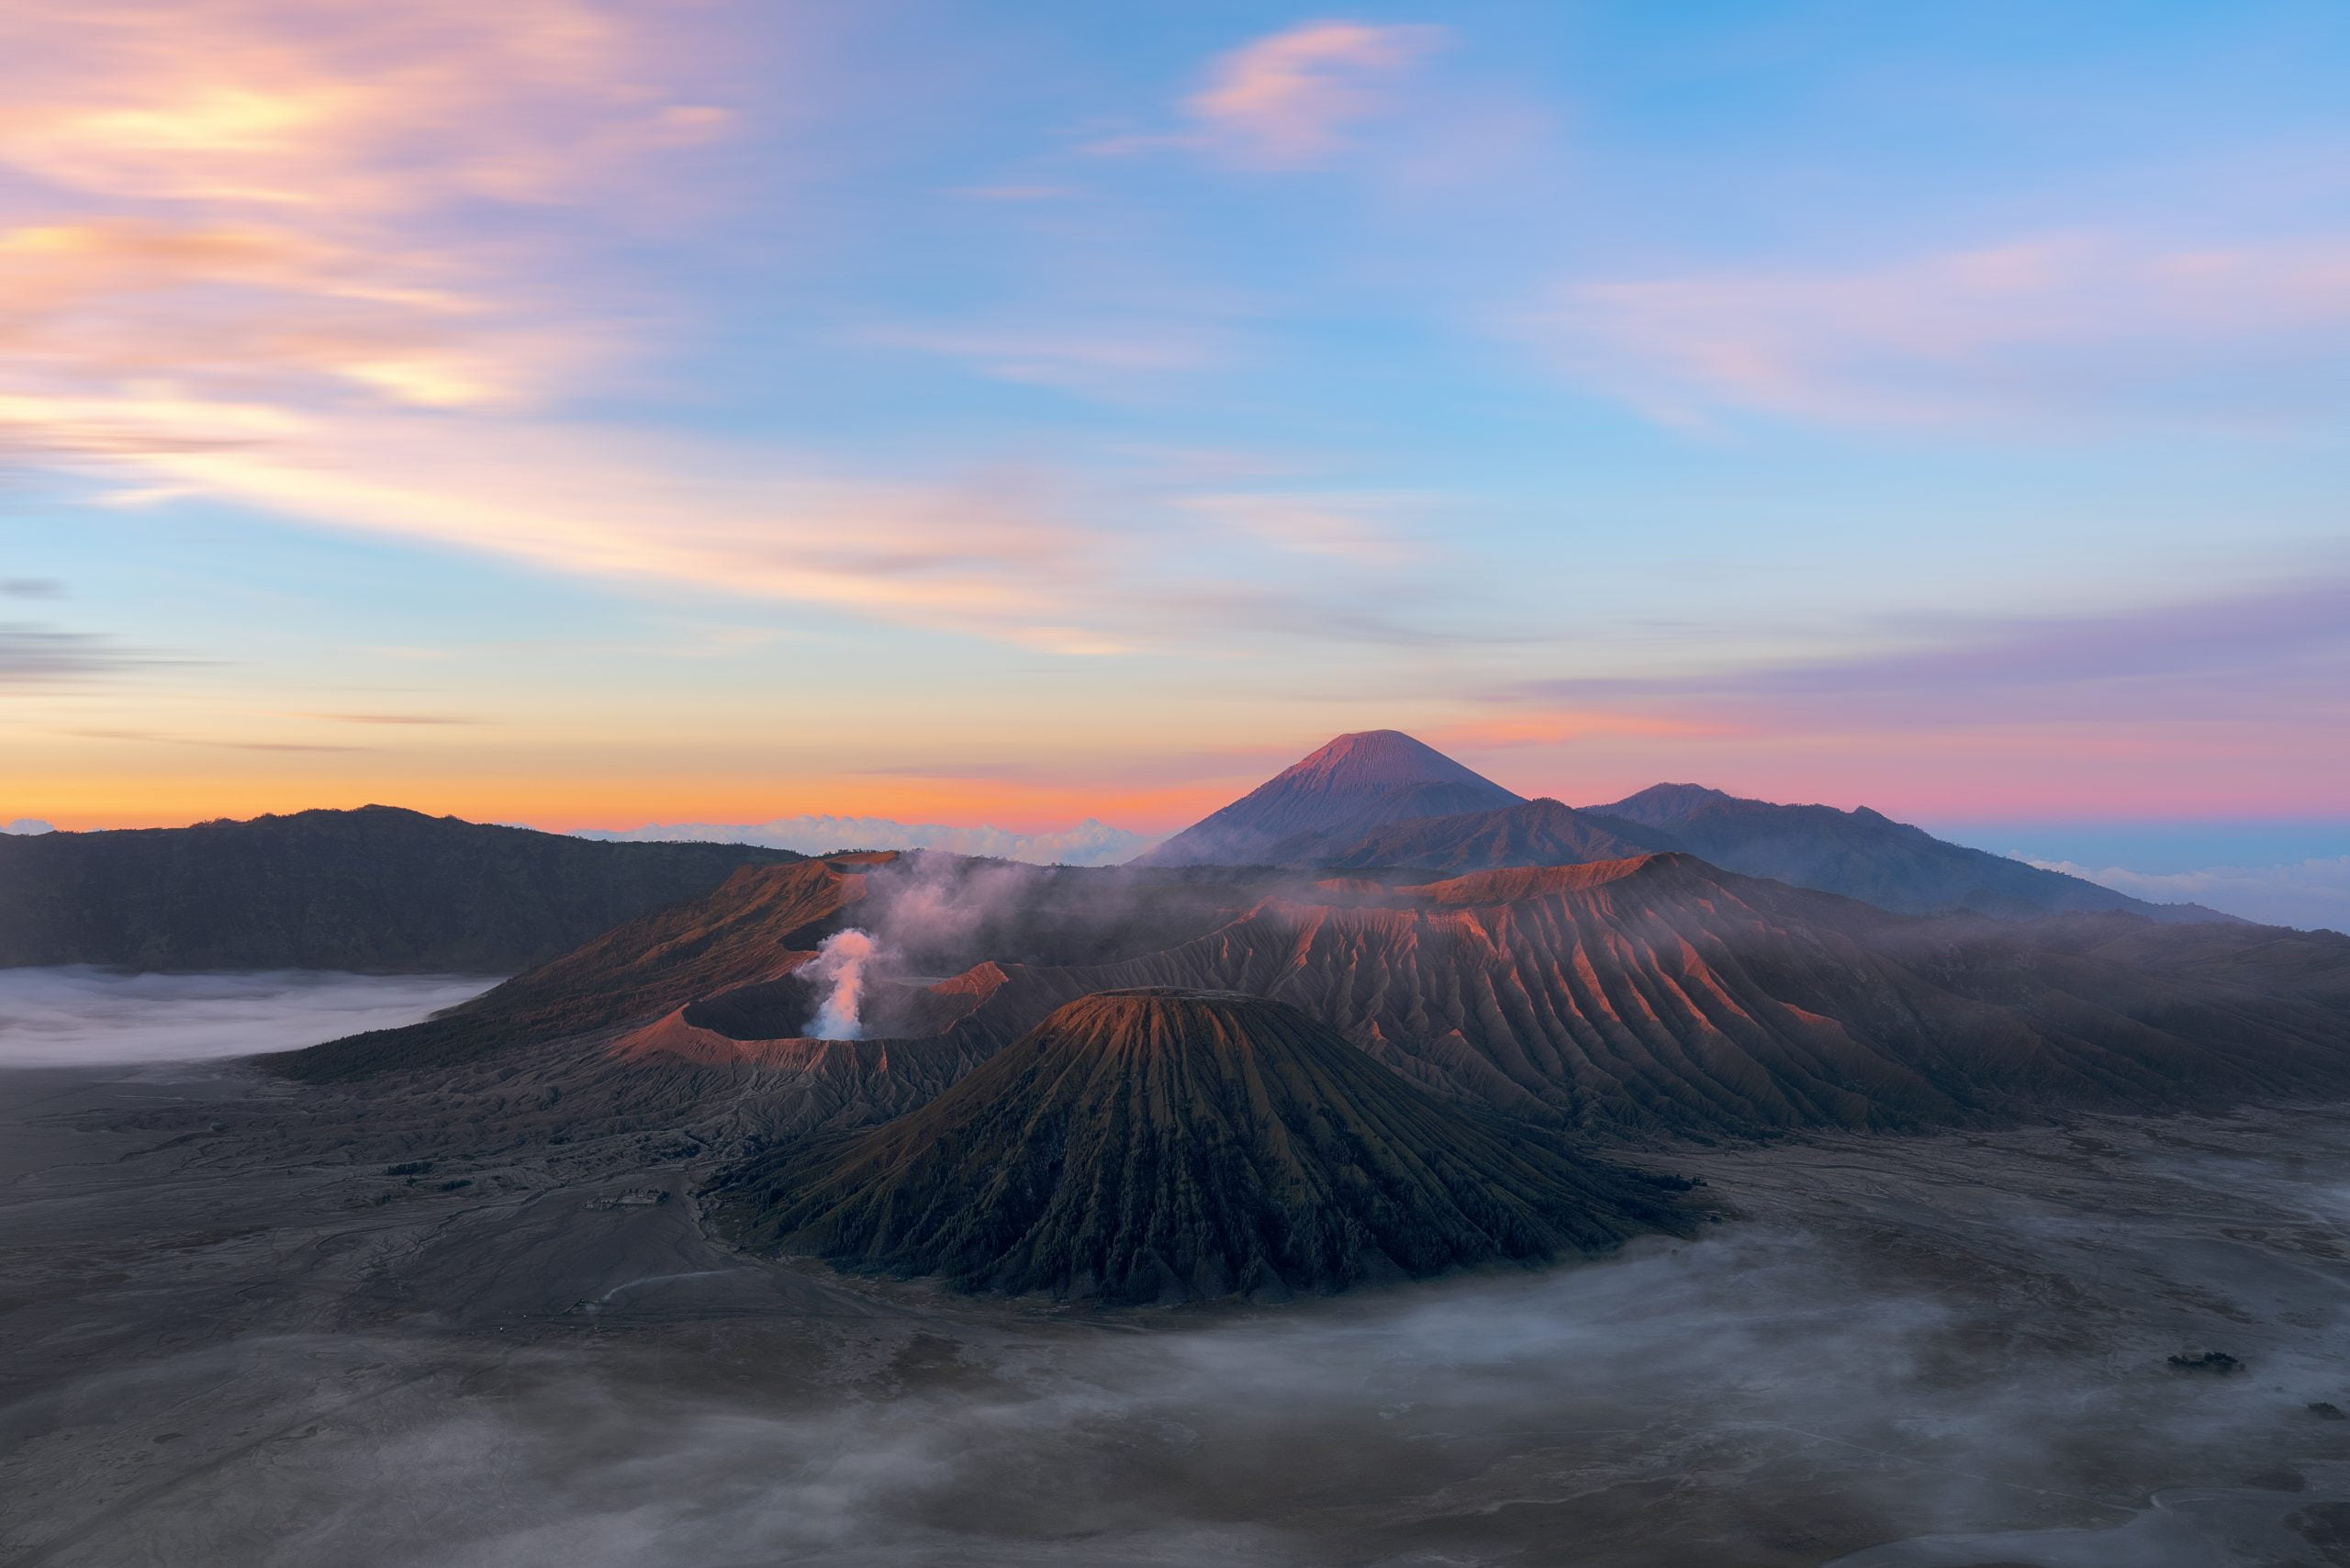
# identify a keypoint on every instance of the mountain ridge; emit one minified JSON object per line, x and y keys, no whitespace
{"x":1378,"y":798}
{"x":1652,"y":996}
{"x":376,"y":888}
{"x":1864,"y":854}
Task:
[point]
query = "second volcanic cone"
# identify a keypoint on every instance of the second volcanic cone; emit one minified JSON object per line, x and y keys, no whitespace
{"x":1163,"y":1145}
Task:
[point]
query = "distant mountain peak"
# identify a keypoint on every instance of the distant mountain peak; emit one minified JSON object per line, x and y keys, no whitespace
{"x":1355,"y":783}
{"x":1661,"y":805}
{"x":1863,"y":853}
{"x":1378,"y":756}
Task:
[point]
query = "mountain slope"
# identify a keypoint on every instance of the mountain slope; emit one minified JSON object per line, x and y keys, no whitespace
{"x":1663,"y":995}
{"x":377,"y":889}
{"x":1356,"y":783}
{"x":1863,"y":855}
{"x":1657,"y":995}
{"x":1536,"y":833}
{"x":761,"y":924}
{"x":1159,"y":1144}
{"x":731,"y":954}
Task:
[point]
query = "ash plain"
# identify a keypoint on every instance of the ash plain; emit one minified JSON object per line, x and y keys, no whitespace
{"x":233,"y":1334}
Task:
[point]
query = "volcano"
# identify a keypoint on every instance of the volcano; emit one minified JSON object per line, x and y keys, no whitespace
{"x":1379,"y":800}
{"x":1161,"y":1144}
{"x":1663,"y":995}
{"x":758,"y":926}
{"x":1354,"y":784}
{"x":1652,"y":995}
{"x":1862,"y":854}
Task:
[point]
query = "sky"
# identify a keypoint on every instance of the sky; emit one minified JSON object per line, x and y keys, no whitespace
{"x":592,"y":415}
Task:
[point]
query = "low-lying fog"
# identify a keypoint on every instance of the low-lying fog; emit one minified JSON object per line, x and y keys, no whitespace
{"x":79,"y":1016}
{"x":1946,"y":1352}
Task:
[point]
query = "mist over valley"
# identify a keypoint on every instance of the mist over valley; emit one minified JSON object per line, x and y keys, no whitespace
{"x":1420,"y":1188}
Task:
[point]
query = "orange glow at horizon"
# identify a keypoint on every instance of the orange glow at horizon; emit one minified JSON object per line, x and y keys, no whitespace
{"x":99,"y":801}
{"x":2025,"y":773}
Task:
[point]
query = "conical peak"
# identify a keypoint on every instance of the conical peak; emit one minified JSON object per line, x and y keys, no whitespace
{"x":1356,"y":782}
{"x":1162,"y":1144}
{"x":1153,"y":1020}
{"x":1378,"y":756}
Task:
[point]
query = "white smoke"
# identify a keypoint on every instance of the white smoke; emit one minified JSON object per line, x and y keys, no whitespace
{"x":841,"y":958}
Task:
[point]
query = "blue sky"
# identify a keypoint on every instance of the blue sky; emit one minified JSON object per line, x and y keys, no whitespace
{"x":593,"y":414}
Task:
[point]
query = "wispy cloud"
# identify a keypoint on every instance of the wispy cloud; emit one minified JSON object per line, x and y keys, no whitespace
{"x":1094,"y":357}
{"x":239,"y":309}
{"x":1287,"y":100}
{"x":2084,"y":327}
{"x":159,"y":737}
{"x":246,"y":286}
{"x":35,"y":656}
{"x":2279,"y":653}
{"x":1290,"y":100}
{"x":333,"y":108}
{"x":247,"y":258}
{"x":1340,"y":526}
{"x":243,"y":197}
{"x":1561,"y":727}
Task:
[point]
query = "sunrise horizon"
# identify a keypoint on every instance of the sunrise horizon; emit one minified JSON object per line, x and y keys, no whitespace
{"x":595,"y":416}
{"x":1026,"y":785}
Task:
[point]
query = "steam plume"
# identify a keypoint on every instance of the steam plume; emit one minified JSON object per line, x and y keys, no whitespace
{"x":841,"y":958}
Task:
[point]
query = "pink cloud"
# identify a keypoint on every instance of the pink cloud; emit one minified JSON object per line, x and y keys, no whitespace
{"x":261,"y":201}
{"x":2274,"y":654}
{"x":2232,"y":704}
{"x":245,"y":308}
{"x":1287,"y":100}
{"x":336,"y":105}
{"x":245,"y":254}
{"x":2079,"y":325}
{"x":1356,"y":528}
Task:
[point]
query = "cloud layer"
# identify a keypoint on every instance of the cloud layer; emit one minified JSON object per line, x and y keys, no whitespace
{"x":2311,"y":894}
{"x":81,"y":1017}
